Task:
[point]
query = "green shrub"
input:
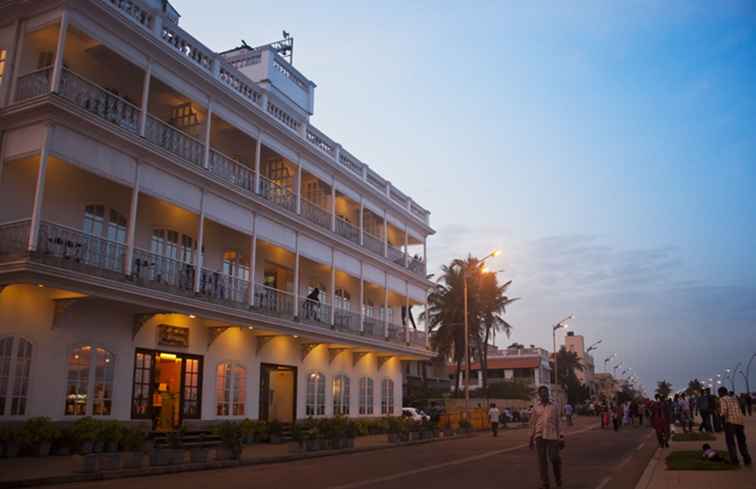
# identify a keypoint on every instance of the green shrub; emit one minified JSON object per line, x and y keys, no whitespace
{"x":86,"y":430}
{"x":39,"y":430}
{"x":111,"y":431}
{"x":133,"y":440}
{"x":230,"y":434}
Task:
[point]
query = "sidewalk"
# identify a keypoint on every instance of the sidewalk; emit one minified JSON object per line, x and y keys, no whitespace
{"x":657,"y":476}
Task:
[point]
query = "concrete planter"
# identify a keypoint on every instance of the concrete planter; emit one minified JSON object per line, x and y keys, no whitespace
{"x":133,"y":460}
{"x":404,"y":437}
{"x":11,"y":449}
{"x":225,"y":453}
{"x":296,"y":447}
{"x":43,"y":449}
{"x":109,"y":461}
{"x":394,"y":438}
{"x":160,"y":457}
{"x":177,"y":456}
{"x":199,"y":455}
{"x":87,"y":463}
{"x":312,"y":445}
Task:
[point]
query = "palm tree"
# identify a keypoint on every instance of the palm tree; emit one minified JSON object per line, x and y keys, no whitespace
{"x":493,"y":305}
{"x":663,"y":389}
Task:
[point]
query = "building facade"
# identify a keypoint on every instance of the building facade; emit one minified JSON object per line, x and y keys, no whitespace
{"x":527,"y":365}
{"x":576,"y":343}
{"x":177,"y":242}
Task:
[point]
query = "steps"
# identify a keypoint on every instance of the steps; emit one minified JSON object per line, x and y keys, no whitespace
{"x":190,"y":439}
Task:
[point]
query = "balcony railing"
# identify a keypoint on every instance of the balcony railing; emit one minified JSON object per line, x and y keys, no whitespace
{"x":315,"y":312}
{"x":417,"y":266}
{"x":219,"y":287}
{"x":373,"y":243}
{"x":273,"y":301}
{"x":162,"y":273}
{"x":14,"y":238}
{"x":174,"y":140}
{"x":348,"y":321}
{"x":231,"y":170}
{"x":396,"y":333}
{"x":33,"y":84}
{"x":347,"y":230}
{"x":99,"y":101}
{"x":418,"y":338}
{"x":396,"y":255}
{"x":374,"y":326}
{"x":277,"y":194}
{"x":316,"y":214}
{"x":70,"y":248}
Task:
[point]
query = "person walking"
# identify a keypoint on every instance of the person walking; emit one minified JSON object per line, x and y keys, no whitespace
{"x":617,"y":415}
{"x":660,"y":420}
{"x":705,"y":406}
{"x":545,"y":437}
{"x":734,"y":427}
{"x":493,"y":416}
{"x":568,"y":412}
{"x":604,"y":413}
{"x":684,"y":416}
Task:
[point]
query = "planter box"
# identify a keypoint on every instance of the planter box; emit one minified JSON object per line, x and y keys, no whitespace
{"x":296,"y":447}
{"x":160,"y":457}
{"x":177,"y":456}
{"x":198,"y":455}
{"x":225,"y":453}
{"x":63,"y":451}
{"x":349,"y":443}
{"x":394,"y":438}
{"x":312,"y":445}
{"x":276,"y":439}
{"x":404,"y":436}
{"x":98,"y":447}
{"x":11,"y":449}
{"x":86,"y":448}
{"x":87,"y":463}
{"x":133,"y":460}
{"x":43,"y":449}
{"x":109,"y":461}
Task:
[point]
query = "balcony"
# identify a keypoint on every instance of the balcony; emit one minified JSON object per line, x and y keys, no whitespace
{"x":347,"y":230}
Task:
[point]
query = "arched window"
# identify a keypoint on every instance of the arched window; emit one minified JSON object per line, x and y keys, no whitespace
{"x":340,"y":395}
{"x":315,"y":400}
{"x":230,"y":389}
{"x":366,"y":395}
{"x":387,"y":397}
{"x":15,"y":366}
{"x":89,"y":384}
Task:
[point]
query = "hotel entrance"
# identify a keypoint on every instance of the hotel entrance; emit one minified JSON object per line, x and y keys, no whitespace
{"x":278,"y":393}
{"x":167,"y":388}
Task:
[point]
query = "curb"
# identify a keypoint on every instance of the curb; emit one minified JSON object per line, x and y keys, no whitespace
{"x":648,"y":473}
{"x":172,"y":469}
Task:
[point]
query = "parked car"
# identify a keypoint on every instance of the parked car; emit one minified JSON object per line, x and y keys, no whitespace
{"x":414,"y":414}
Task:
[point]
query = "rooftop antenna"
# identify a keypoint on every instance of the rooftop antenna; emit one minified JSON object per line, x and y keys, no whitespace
{"x":285,"y":47}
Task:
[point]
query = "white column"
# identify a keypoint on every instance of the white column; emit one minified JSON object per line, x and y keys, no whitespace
{"x":333,"y":287}
{"x":58,"y":64}
{"x":11,"y":72}
{"x":406,"y":247}
{"x":480,"y":377}
{"x":133,"y":209}
{"x":39,"y":192}
{"x":385,"y":307}
{"x":427,"y":332}
{"x":299,"y":186}
{"x":258,"y":150}
{"x":145,"y":98}
{"x":385,"y":234}
{"x":296,"y":275}
{"x":208,"y":124}
{"x":333,"y":204}
{"x":425,"y":254}
{"x":198,"y":259}
{"x":157,"y":25}
{"x":362,"y":221}
{"x":362,"y":297}
{"x":10,"y":66}
{"x":407,"y":308}
{"x":252,"y":266}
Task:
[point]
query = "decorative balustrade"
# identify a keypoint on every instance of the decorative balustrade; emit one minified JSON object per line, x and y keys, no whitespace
{"x":321,"y":141}
{"x":346,"y":320}
{"x":135,"y":11}
{"x":174,"y":140}
{"x":273,"y":301}
{"x":99,"y":101}
{"x":33,"y":84}
{"x":350,"y":162}
{"x":73,"y":249}
{"x":315,"y":312}
{"x":417,"y":266}
{"x":376,"y":181}
{"x":398,"y":197}
{"x":373,"y":243}
{"x":231,"y":170}
{"x":188,"y":47}
{"x":316,"y":214}
{"x":162,"y":273}
{"x":237,"y":83}
{"x":219,"y":287}
{"x":396,"y":255}
{"x":284,"y":117}
{"x":290,"y":74}
{"x":277,"y":194}
{"x":347,"y":230}
{"x":396,"y":333}
{"x":14,"y":238}
{"x":418,"y":338}
{"x":374,"y":324}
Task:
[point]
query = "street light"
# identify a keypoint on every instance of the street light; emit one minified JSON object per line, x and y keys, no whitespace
{"x":747,"y":374}
{"x":607,"y":360}
{"x":593,"y":346}
{"x":466,"y":275}
{"x":561,"y":324}
{"x":614,"y":369}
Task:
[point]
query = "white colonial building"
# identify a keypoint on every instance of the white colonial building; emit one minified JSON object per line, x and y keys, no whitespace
{"x":178,"y":242}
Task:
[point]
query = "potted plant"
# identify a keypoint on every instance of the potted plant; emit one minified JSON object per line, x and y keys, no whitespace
{"x":133,"y":447}
{"x":262,"y":432}
{"x":298,"y":436}
{"x":65,"y":442}
{"x":312,"y":439}
{"x":39,"y":433}
{"x":198,"y":454}
{"x":175,"y":441}
{"x":230,"y":434}
{"x":394,"y":429}
{"x":111,"y":433}
{"x":275,"y":428}
{"x":247,"y":427}
{"x":352,"y":431}
{"x":9,"y":437}
{"x":85,"y":432}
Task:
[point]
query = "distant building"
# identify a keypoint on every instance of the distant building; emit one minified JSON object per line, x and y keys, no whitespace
{"x":528,"y":365}
{"x":606,"y":385}
{"x":576,"y":344}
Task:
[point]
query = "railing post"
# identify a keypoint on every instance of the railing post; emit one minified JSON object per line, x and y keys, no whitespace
{"x":333,"y":287}
{"x":388,"y":189}
{"x":252,"y":266}
{"x":208,"y":123}
{"x":427,"y":321}
{"x":157,"y":25}
{"x":133,"y":209}
{"x":362,"y":221}
{"x":198,"y":259}
{"x":385,"y":307}
{"x":362,"y":297}
{"x":296,"y":275}
{"x":11,"y":72}
{"x":10,"y":65}
{"x":406,"y":246}
{"x":60,"y":50}
{"x":425,"y":256}
{"x":299,"y":186}
{"x":258,"y":149}
{"x":145,"y":98}
{"x":385,"y":233}
{"x":333,"y":204}
{"x":39,"y":192}
{"x":407,"y":314}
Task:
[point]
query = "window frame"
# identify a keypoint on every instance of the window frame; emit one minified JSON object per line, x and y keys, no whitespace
{"x":366,"y":393}
{"x":342,"y":401}
{"x":389,"y":401}
{"x":235,"y":390}
{"x":9,"y":395}
{"x":92,"y":380}
{"x":316,"y":407}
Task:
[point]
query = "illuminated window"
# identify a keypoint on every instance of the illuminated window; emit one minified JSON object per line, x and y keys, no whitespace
{"x":315,"y":400}
{"x":233,"y":266}
{"x":171,"y":244}
{"x":15,"y":366}
{"x":340,"y":395}
{"x":387,"y":397}
{"x":366,"y":395}
{"x":94,"y":217}
{"x":89,"y":384}
{"x":3,"y":56}
{"x":230,"y":389}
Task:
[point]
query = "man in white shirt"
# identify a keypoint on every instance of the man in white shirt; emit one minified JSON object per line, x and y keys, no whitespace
{"x":545,"y":437}
{"x":493,"y":416}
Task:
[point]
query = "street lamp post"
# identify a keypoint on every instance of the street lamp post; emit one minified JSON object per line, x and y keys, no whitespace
{"x":466,"y":275}
{"x":557,"y":326}
{"x":607,"y":360}
{"x":747,"y":374}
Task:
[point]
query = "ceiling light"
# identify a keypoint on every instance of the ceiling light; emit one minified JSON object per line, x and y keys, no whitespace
{"x":250,"y":328}
{"x":192,"y":316}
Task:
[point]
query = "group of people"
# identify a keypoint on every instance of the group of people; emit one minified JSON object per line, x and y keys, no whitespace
{"x":618,"y":414}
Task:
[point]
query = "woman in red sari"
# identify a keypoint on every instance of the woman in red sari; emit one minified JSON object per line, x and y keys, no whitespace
{"x":660,"y":420}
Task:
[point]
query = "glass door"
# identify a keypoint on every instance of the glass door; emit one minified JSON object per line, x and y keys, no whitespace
{"x":141,"y":396}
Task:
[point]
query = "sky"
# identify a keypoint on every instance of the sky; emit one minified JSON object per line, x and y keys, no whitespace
{"x":607,"y":148}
